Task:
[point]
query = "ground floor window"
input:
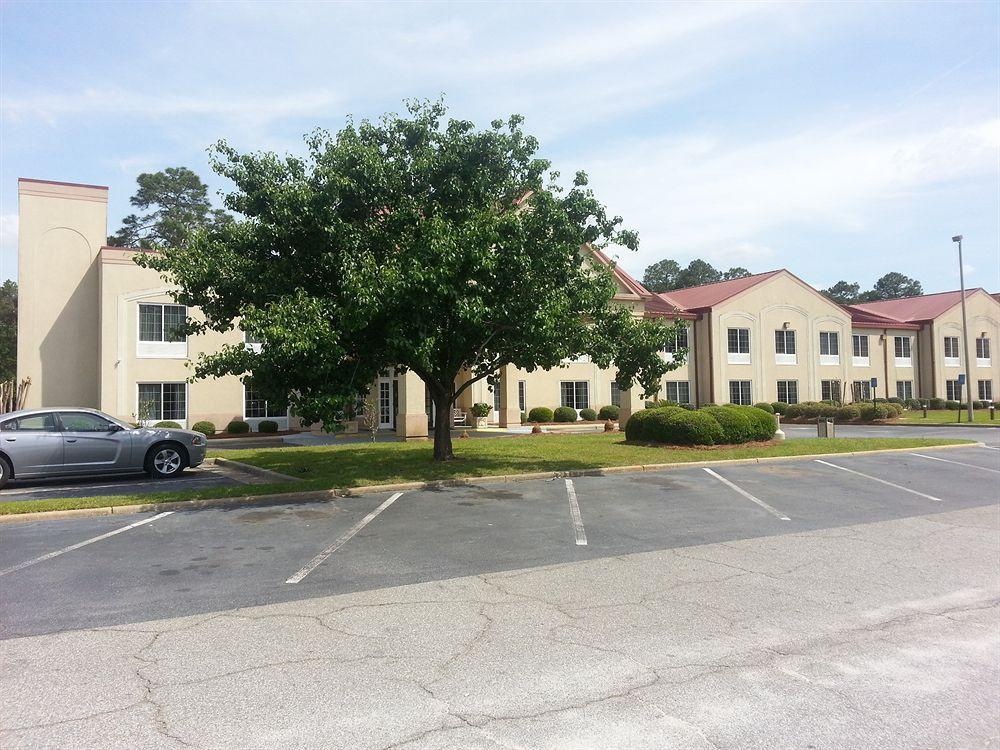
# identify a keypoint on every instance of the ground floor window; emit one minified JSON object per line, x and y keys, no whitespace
{"x":522,"y":395}
{"x":497,"y":393}
{"x":162,"y":401}
{"x":904,"y":389}
{"x":788,"y":391}
{"x":953,"y":391}
{"x":739,"y":392}
{"x":616,"y":394}
{"x":575,"y":394}
{"x":255,"y":406}
{"x":678,"y":391}
{"x":862,"y":390}
{"x":985,"y":390}
{"x":829,"y":390}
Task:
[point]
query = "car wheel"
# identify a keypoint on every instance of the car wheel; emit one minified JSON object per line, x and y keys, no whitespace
{"x":165,"y":461}
{"x":5,"y":472}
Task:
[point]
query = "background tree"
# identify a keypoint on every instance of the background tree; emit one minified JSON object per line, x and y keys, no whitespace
{"x":414,"y":243}
{"x":736,"y":272}
{"x":8,"y":330}
{"x":667,"y":275}
{"x":895,"y":285}
{"x":662,"y":276}
{"x":843,"y":292}
{"x":175,"y":203}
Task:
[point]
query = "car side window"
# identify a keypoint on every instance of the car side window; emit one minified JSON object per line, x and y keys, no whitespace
{"x":32,"y":423}
{"x":75,"y":421}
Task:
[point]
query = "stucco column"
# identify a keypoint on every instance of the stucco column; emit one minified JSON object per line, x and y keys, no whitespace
{"x":631,"y":401}
{"x":411,"y":417}
{"x":510,"y":412}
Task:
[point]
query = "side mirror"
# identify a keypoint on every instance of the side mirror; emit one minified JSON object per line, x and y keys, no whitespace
{"x":112,"y":428}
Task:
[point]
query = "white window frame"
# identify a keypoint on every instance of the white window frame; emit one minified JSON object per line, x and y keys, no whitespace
{"x":791,"y":389}
{"x":983,"y":353}
{"x":153,"y":420}
{"x":828,"y":391}
{"x":254,"y":422}
{"x":832,"y":341}
{"x":904,"y":389}
{"x":744,"y":399}
{"x":672,"y":346}
{"x":158,"y":348}
{"x":784,"y":347}
{"x":672,"y":390}
{"x":953,"y":390}
{"x":616,"y":394}
{"x":955,"y":359}
{"x":522,"y":395}
{"x":252,"y":345}
{"x":985,"y":390}
{"x":902,"y":351}
{"x":860,"y":349}
{"x":576,"y":395}
{"x":741,"y":355}
{"x":861,"y":390}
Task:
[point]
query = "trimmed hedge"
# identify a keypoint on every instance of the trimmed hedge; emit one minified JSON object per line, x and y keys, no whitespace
{"x":780,"y":407}
{"x":952,"y":405}
{"x":763,"y":424}
{"x":267,"y":426}
{"x":894,"y":410}
{"x":936,"y":403}
{"x":637,"y":426}
{"x":237,"y":427}
{"x":848,"y":413}
{"x":564,"y":414}
{"x":686,"y":428}
{"x":914,"y":403}
{"x":736,"y":425}
{"x":588,"y":415}
{"x":870,"y":413}
{"x":205,"y":428}
{"x":689,"y":407}
{"x":168,"y":424}
{"x":609,"y":412}
{"x":765,"y":407}
{"x":540,"y":414}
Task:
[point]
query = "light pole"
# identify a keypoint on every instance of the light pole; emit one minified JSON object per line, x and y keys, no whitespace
{"x":965,"y":330}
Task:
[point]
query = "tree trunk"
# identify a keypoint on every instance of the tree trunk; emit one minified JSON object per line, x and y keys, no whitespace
{"x":442,"y":428}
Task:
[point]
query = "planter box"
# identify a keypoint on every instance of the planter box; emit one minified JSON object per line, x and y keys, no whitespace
{"x":481,"y":422}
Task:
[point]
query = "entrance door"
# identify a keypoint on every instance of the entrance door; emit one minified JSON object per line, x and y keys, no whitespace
{"x":386,"y":410}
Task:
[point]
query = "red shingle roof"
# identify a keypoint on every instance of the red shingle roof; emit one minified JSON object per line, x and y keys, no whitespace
{"x":697,"y":298}
{"x":912,"y":309}
{"x":624,"y":278}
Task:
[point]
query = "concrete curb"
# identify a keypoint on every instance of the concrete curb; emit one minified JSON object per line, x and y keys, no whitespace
{"x":334,"y":494}
{"x":256,"y":471}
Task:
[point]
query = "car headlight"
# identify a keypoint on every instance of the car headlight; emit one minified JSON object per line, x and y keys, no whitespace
{"x":198,"y":440}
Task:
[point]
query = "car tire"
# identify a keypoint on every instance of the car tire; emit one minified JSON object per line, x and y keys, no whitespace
{"x":5,"y":472}
{"x":166,"y":460}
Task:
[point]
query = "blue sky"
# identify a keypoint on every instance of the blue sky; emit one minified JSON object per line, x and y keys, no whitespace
{"x":839,"y":140}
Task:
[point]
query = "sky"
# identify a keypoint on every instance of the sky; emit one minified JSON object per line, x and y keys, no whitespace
{"x":839,"y":140}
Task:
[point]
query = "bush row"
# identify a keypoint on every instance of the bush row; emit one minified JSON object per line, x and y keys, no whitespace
{"x":712,"y":425}
{"x":236,"y":427}
{"x":568,"y":414}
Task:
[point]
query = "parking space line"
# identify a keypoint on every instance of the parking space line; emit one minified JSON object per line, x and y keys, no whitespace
{"x":574,"y":511}
{"x":880,"y":481}
{"x":88,"y":487}
{"x":957,"y":463}
{"x":72,"y":547}
{"x":748,"y":496}
{"x":342,"y":540}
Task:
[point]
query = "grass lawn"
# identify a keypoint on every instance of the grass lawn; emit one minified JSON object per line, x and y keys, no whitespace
{"x":942,"y":416}
{"x":356,"y":465}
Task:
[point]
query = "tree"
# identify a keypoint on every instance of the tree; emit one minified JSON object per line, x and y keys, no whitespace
{"x":894,"y":285}
{"x":415,"y":243}
{"x":8,"y":330}
{"x":662,"y":276}
{"x":697,"y":272}
{"x":175,"y":202}
{"x":736,"y":272}
{"x":667,"y":275}
{"x":843,"y":292}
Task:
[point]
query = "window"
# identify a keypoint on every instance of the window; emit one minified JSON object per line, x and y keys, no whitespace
{"x":860,"y":343}
{"x":784,"y":342}
{"x":951,"y":351}
{"x":829,"y":345}
{"x":575,"y":393}
{"x":678,"y":391}
{"x":904,"y":389}
{"x":162,"y":401}
{"x":161,"y":323}
{"x":522,"y":395}
{"x":953,"y":391}
{"x":31,"y":423}
{"x":616,"y":394}
{"x":986,"y":389}
{"x":680,"y":342}
{"x":829,"y":390}
{"x":788,"y":391}
{"x":983,"y":352}
{"x":76,"y":421}
{"x":902,"y":345}
{"x":255,"y":406}
{"x":497,"y":400}
{"x":738,"y":341}
{"x":861,"y":390}
{"x":739,"y":392}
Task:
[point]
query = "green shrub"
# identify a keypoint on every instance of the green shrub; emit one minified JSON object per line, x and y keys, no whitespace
{"x":609,"y":412}
{"x":982,"y":404}
{"x":936,"y":403}
{"x":762,"y":423}
{"x":685,"y":428}
{"x":524,"y":417}
{"x":848,"y":413}
{"x":736,"y":426}
{"x":870,"y":413}
{"x":780,"y":407}
{"x":481,"y":410}
{"x":168,"y":424}
{"x":205,"y":428}
{"x":765,"y":407}
{"x":893,"y":409}
{"x":540,"y":414}
{"x":708,"y":403}
{"x":688,"y":407}
{"x":951,"y":405}
{"x":914,"y":403}
{"x":267,"y":426}
{"x":237,"y":427}
{"x":793,"y":411}
{"x":637,"y":427}
{"x":588,"y":415}
{"x":895,"y":400}
{"x":564,"y":414}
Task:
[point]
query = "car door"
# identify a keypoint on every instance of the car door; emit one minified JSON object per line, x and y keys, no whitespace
{"x":33,"y":443}
{"x":93,"y":444}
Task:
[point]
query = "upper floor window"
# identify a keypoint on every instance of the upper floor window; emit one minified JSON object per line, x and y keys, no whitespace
{"x":738,"y":342}
{"x":951,"y":350}
{"x":161,"y":323}
{"x":860,"y":345}
{"x":784,"y":347}
{"x":983,"y":352}
{"x":902,"y":346}
{"x":829,"y":348}
{"x":680,"y":341}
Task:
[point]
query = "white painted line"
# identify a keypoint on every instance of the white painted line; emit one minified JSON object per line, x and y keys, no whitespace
{"x":126,"y":486}
{"x":991,"y":448}
{"x":748,"y":496}
{"x":72,"y":547}
{"x":342,"y":540}
{"x":880,"y":481}
{"x":957,"y":463}
{"x":574,"y":511}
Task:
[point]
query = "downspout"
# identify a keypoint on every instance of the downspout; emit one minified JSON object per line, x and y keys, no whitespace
{"x":711,"y":360}
{"x":885,"y":359}
{"x":934,"y":380}
{"x":693,"y":362}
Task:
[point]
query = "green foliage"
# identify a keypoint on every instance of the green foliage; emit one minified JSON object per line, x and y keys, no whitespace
{"x":936,"y":403}
{"x":609,"y":412}
{"x":639,"y":425}
{"x":893,"y":409}
{"x":481,"y":410}
{"x":168,"y":423}
{"x":237,"y":427}
{"x":540,"y":414}
{"x":267,"y":426}
{"x":893,"y":285}
{"x":8,"y":330}
{"x":564,"y":414}
{"x":175,"y":202}
{"x":914,"y":403}
{"x":848,"y":413}
{"x":780,"y":407}
{"x":952,"y":405}
{"x":810,"y":410}
{"x":458,"y":250}
{"x":736,"y":426}
{"x":687,"y":428}
{"x":205,"y":428}
{"x":765,"y":407}
{"x":843,"y":292}
{"x":524,"y":417}
{"x":588,"y":415}
{"x":871,"y":413}
{"x":762,"y":423}
{"x":667,"y":274}
{"x":895,"y":400}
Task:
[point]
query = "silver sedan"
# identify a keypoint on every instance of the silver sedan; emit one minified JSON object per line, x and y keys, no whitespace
{"x":38,"y":443}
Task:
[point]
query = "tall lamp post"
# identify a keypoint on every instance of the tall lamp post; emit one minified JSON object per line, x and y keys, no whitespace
{"x":965,"y":329}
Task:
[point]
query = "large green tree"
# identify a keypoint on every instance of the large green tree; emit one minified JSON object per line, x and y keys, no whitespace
{"x":174,"y":203}
{"x":893,"y":285}
{"x":667,"y":274}
{"x":8,"y":330}
{"x":416,"y":242}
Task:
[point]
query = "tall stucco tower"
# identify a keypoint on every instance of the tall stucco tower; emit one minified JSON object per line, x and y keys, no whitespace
{"x":61,"y":229}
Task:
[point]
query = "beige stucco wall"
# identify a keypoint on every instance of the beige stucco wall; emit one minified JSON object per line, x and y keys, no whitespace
{"x":882,"y":362}
{"x":984,"y":317}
